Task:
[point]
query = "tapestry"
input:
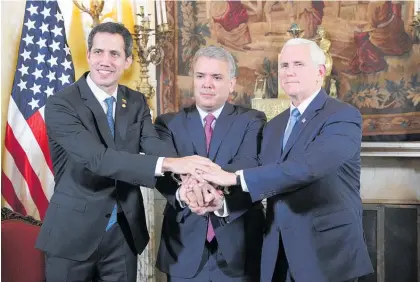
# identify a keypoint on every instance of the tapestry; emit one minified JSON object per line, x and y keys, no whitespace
{"x":374,"y":49}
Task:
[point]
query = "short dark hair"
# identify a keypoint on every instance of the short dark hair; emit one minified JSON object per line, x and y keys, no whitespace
{"x":113,"y":28}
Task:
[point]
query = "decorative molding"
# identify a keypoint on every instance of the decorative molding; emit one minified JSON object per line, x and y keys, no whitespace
{"x":8,"y":214}
{"x":390,"y":149}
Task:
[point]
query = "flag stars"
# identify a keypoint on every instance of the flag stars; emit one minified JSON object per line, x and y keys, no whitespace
{"x":67,"y":64}
{"x":34,"y":104}
{"x":44,"y":27}
{"x":40,"y":58}
{"x":33,"y":10}
{"x":55,"y":46}
{"x":36,"y":88}
{"x":59,"y":17}
{"x":64,"y":79}
{"x":52,"y":61}
{"x":49,"y":91}
{"x":25,"y":55}
{"x":23,"y":69}
{"x":57,"y":31}
{"x":51,"y":76}
{"x":30,"y":24}
{"x":46,"y":12}
{"x":67,"y":49}
{"x":28,"y":39}
{"x":37,"y":73}
{"x":42,"y":43}
{"x":22,"y":85}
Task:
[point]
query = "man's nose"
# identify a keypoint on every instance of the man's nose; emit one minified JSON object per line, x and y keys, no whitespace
{"x":290,"y":72}
{"x":208,"y":82}
{"x":105,"y":59}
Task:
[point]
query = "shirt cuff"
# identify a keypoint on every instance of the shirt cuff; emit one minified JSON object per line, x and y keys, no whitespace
{"x":159,"y":164}
{"x":243,"y":183}
{"x":224,"y":211}
{"x":181,"y":203}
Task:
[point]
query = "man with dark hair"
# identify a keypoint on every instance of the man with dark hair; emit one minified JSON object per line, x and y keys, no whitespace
{"x":95,"y":224}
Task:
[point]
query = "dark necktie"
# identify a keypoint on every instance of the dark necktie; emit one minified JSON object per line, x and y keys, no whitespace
{"x":109,"y":116}
{"x":294,"y":116}
{"x":208,"y":120}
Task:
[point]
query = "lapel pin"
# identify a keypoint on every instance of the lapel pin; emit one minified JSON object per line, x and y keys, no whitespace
{"x":123,"y":105}
{"x":124,"y":101}
{"x":303,"y":120}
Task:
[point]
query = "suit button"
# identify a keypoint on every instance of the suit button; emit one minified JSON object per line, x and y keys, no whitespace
{"x":108,"y":215}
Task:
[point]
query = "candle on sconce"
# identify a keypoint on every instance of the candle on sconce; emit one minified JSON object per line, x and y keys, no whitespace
{"x":139,"y":12}
{"x":146,"y":22}
{"x":158,"y":12}
{"x":119,"y":11}
{"x":164,"y":18}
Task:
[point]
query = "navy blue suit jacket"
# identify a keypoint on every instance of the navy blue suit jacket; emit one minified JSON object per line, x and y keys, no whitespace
{"x":312,"y":191}
{"x":235,"y":145}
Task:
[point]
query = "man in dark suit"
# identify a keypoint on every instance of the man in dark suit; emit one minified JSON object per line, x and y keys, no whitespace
{"x":310,"y":176}
{"x":221,"y":241}
{"x":95,"y":223}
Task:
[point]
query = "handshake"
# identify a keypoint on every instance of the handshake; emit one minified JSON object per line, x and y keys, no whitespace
{"x":199,"y":181}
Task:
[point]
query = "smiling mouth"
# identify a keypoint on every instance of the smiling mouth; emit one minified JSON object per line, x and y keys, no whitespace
{"x":105,"y":71}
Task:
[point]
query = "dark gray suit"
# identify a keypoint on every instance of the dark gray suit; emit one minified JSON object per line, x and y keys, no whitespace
{"x":93,"y":171}
{"x":183,"y":249}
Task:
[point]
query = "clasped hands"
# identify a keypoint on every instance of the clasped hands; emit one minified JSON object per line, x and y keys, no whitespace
{"x":200,"y":179}
{"x":200,"y":196}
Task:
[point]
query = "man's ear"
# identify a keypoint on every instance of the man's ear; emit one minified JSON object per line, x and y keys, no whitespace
{"x":322,"y":70}
{"x":232,"y":84}
{"x":128,"y":62}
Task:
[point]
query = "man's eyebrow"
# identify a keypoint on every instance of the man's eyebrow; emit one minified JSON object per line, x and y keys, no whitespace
{"x":212,"y":74}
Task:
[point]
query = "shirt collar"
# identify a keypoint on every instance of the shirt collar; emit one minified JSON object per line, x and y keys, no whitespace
{"x":305,"y":104}
{"x":98,"y":92}
{"x":203,"y":113}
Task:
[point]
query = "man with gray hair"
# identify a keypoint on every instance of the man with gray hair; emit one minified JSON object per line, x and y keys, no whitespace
{"x":310,"y":175}
{"x":210,"y":235}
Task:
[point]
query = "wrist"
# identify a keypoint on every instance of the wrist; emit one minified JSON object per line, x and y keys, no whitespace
{"x":167,"y":164}
{"x":232,"y":179}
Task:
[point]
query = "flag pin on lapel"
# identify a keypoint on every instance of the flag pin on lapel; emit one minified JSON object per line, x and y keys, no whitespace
{"x":124,"y":103}
{"x":303,"y":120}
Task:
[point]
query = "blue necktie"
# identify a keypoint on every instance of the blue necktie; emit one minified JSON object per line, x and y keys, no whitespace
{"x":109,"y":116}
{"x":294,"y":116}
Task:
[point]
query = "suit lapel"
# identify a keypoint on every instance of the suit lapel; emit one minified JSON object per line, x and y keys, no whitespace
{"x":304,"y":120}
{"x":93,"y":104}
{"x":222,"y":126}
{"x":196,"y":131}
{"x":121,"y":113}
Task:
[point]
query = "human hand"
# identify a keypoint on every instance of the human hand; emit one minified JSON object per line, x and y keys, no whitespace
{"x":213,"y":199}
{"x":193,"y":165}
{"x":219,"y":177}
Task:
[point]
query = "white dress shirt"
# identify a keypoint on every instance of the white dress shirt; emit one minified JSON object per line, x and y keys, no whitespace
{"x":101,"y":95}
{"x":301,"y":108}
{"x":223,"y":212}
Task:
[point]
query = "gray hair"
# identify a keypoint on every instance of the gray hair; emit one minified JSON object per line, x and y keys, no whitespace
{"x":217,"y":53}
{"x":317,"y":55}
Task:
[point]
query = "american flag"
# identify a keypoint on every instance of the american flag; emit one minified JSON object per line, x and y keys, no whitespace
{"x":44,"y":67}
